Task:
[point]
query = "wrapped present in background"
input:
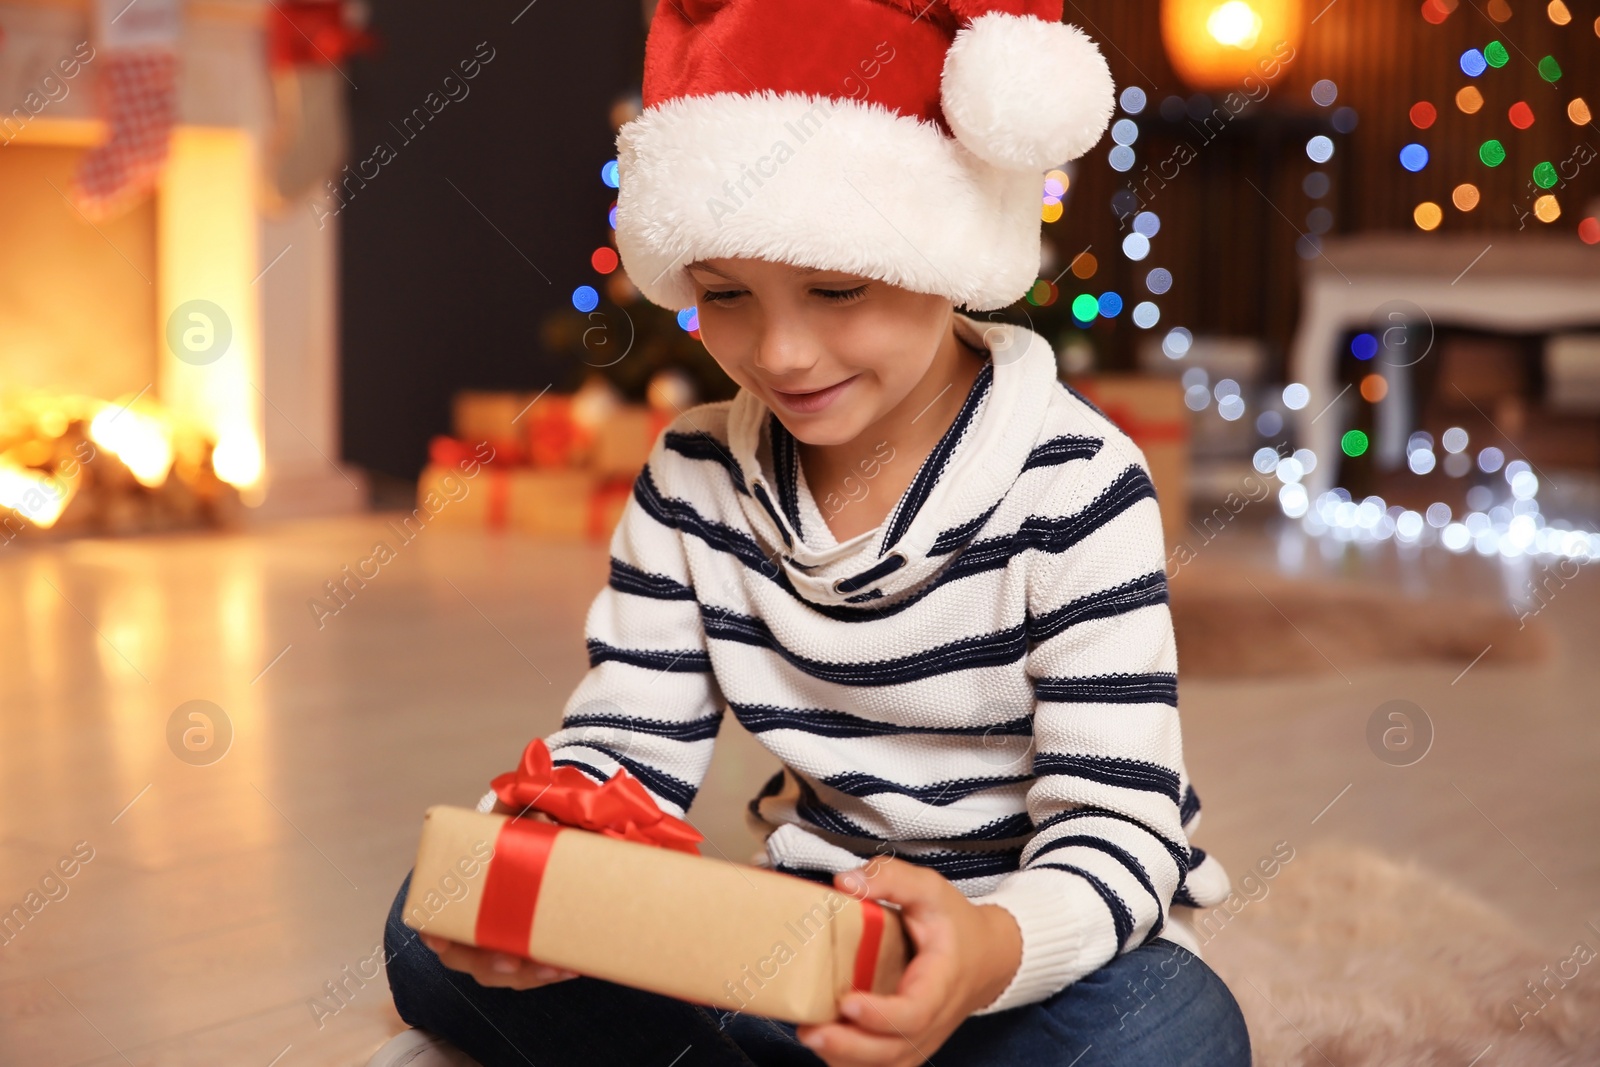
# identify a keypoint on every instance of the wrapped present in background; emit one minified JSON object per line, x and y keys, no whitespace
{"x":615,"y":889}
{"x":492,"y":417}
{"x":1152,"y":412}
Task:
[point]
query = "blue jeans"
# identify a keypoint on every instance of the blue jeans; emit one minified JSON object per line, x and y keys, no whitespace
{"x":1157,"y":1006}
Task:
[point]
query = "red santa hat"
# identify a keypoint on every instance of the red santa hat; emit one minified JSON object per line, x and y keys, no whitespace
{"x":903,"y":140}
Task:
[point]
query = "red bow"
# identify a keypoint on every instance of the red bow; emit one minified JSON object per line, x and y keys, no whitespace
{"x":619,"y":808}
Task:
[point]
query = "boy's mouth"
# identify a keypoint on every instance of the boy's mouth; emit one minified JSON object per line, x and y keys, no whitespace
{"x":812,"y":400}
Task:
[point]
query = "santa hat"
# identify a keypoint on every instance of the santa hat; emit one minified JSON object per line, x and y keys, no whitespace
{"x":903,"y":140}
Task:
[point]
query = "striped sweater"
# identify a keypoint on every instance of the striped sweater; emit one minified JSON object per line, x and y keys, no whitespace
{"x":986,"y":682}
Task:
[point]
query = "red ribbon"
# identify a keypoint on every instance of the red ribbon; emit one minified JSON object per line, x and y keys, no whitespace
{"x":867,"y":951}
{"x":620,"y":808}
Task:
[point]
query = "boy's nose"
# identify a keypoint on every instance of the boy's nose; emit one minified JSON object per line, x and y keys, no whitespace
{"x":785,"y":354}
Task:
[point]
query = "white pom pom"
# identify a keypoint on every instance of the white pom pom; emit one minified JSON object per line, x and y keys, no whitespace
{"x":1026,"y":94}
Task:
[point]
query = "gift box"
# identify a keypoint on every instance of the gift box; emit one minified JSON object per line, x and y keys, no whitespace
{"x":1151,"y":411}
{"x":559,"y":503}
{"x":492,"y":417}
{"x":615,"y":889}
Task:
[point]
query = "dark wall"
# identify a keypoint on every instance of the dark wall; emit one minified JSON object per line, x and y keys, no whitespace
{"x":440,"y":294}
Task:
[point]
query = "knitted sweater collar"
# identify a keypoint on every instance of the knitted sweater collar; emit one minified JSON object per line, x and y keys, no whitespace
{"x":963,"y":479}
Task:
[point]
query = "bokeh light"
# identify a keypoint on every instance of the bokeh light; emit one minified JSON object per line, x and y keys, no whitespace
{"x":1085,"y":306}
{"x":1316,"y":184}
{"x":609,"y":175}
{"x":1589,"y":230}
{"x":1472,"y":63}
{"x":1428,"y":215}
{"x":1158,"y":281}
{"x":1495,"y":54}
{"x":1354,"y":443}
{"x":1325,"y":92}
{"x":1413,"y":157}
{"x":1296,"y":396}
{"x":1136,"y":246}
{"x":1364,"y":346}
{"x":1549,"y":69}
{"x":1147,"y":223}
{"x":1177,"y":342}
{"x":1133,"y":100}
{"x":1124,"y":131}
{"x":1544,"y":175}
{"x":1121,"y":158}
{"x":604,"y":259}
{"x":1546,"y":208}
{"x":1423,"y":114}
{"x":1499,"y":10}
{"x":1319,"y":148}
{"x":585,"y":298}
{"x":1050,"y":211}
{"x":1521,"y":115}
{"x":1465,"y":196}
{"x":1084,"y":265}
{"x":1374,"y":387}
{"x":1469,"y":100}
{"x":1578,"y":111}
{"x":1492,"y":152}
{"x":1110,"y":305}
{"x":1558,"y":13}
{"x":1146,"y":314}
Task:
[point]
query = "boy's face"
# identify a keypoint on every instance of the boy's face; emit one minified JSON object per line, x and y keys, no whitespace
{"x":858,"y":345}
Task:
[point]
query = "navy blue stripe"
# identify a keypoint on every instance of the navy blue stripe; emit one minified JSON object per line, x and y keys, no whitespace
{"x":882,"y":568}
{"x":1108,"y":770}
{"x":1183,"y":898}
{"x":1196,"y":857}
{"x":772,"y":788}
{"x":1121,"y":855}
{"x":1190,"y":806}
{"x":1043,"y":534}
{"x":1001,"y":829}
{"x":982,"y":650}
{"x":759,"y":718}
{"x":786,"y":470}
{"x":701,"y":729}
{"x":658,"y":782}
{"x":1063,"y":449}
{"x":626,"y":578}
{"x":593,"y":772}
{"x":688,"y":661}
{"x":1121,"y":917}
{"x":959,"y":865}
{"x":1139,"y":593}
{"x":1157,"y":688}
{"x":701,"y":445}
{"x":766,"y":502}
{"x":810,"y":874}
{"x":928,"y":474}
{"x":938,"y":794}
{"x":1179,"y":853}
{"x":956,"y":536}
{"x":811,"y":808}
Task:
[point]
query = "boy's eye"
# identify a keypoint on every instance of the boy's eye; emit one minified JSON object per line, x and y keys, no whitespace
{"x":841,"y":295}
{"x":714,"y":296}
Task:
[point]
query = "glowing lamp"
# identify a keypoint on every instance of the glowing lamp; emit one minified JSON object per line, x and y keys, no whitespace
{"x":1217,"y":44}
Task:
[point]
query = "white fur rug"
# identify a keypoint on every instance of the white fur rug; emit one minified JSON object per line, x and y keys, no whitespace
{"x":1346,"y":959}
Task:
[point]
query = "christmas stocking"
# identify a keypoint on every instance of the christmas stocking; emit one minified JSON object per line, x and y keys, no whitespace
{"x":138,"y":85}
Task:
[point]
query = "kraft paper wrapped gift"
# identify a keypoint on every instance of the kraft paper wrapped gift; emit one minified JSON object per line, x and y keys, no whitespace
{"x":617,"y":890}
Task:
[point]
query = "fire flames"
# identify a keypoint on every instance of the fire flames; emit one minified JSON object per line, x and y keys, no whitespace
{"x":114,"y":466}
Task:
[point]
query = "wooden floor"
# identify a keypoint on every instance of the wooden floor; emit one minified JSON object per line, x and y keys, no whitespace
{"x":222,"y":896}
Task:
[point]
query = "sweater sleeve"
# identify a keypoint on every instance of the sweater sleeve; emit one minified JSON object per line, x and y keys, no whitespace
{"x":649,"y":701}
{"x":1108,"y":850}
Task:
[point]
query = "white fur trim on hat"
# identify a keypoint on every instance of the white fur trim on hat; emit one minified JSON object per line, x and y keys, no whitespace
{"x":1026,"y":94}
{"x":833,"y":184}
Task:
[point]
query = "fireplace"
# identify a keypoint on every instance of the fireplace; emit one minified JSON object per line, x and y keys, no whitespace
{"x":175,"y":364}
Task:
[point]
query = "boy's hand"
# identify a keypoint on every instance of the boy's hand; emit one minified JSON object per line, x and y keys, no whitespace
{"x":966,"y":956}
{"x":489,"y":968}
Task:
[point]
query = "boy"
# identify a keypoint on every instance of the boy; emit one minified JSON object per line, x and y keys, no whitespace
{"x":923,"y":572}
